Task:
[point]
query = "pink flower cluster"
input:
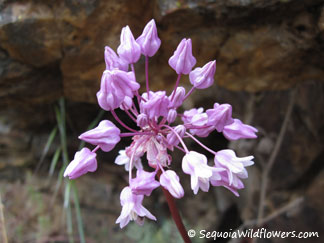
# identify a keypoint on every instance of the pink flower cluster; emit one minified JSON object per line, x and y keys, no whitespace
{"x":153,"y":113}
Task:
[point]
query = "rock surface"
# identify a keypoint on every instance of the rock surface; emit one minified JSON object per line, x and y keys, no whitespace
{"x":57,"y":48}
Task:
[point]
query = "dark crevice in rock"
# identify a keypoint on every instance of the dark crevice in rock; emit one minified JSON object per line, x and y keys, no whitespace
{"x":41,"y":86}
{"x":229,"y":221}
{"x":308,"y":177}
{"x":247,"y":16}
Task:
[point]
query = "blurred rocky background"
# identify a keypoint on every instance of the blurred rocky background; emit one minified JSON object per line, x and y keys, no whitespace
{"x":269,"y":67}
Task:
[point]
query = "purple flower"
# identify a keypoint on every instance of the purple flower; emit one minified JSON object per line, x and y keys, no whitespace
{"x":115,"y":86}
{"x":156,"y":153}
{"x":84,"y":161}
{"x":132,"y":208}
{"x":142,"y":120}
{"x":128,"y":50}
{"x":156,"y":105}
{"x":172,"y":115}
{"x":182,"y":60}
{"x":149,"y":40}
{"x":154,"y":113}
{"x":178,"y":97}
{"x":234,"y":166}
{"x":195,"y":164}
{"x":172,"y":139}
{"x":144,"y":183}
{"x":126,"y":104}
{"x":107,"y":100}
{"x":170,"y":181}
{"x":123,"y":159}
{"x":105,"y":135}
{"x":197,"y":120}
{"x":238,"y":130}
{"x":224,"y":181}
{"x":113,"y":61}
{"x":188,"y":115}
{"x":138,"y":146}
{"x":220,"y":116}
{"x":202,"y":78}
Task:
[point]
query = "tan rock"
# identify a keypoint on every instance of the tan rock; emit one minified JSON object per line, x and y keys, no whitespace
{"x":259,"y":45}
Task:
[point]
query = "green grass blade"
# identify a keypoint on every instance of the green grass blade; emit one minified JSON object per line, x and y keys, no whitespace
{"x":60,"y":122}
{"x":78,"y":213}
{"x":69,"y":185}
{"x":62,"y":111}
{"x":58,"y":183}
{"x":49,"y":142}
{"x":67,"y":193}
{"x":69,"y":224}
{"x":68,"y":209}
{"x":54,"y":161}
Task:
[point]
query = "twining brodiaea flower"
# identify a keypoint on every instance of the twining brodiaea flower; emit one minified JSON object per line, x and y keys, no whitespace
{"x":153,"y":113}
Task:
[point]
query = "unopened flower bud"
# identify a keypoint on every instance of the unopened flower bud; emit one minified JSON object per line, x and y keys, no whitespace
{"x":173,"y":139}
{"x":202,"y":78}
{"x":156,"y":105}
{"x":115,"y":86}
{"x":188,"y":115}
{"x":105,"y":135}
{"x":149,"y":40}
{"x":178,"y":97}
{"x":113,"y":61}
{"x":220,"y":116}
{"x":127,"y":104}
{"x":170,"y":181}
{"x":238,"y":130}
{"x":84,"y":161}
{"x":198,"y":119}
{"x":182,"y":60}
{"x":172,"y":115}
{"x":142,"y":120}
{"x":107,"y":101}
{"x":128,"y":49}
